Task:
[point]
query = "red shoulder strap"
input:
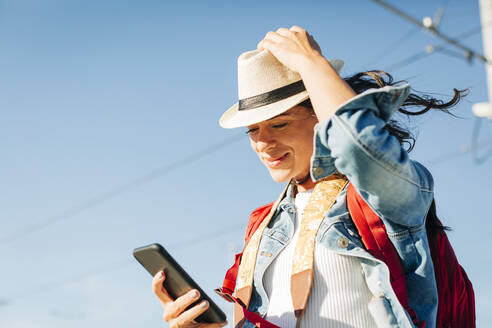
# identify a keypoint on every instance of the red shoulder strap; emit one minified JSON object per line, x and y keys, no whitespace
{"x":229,"y":283}
{"x":255,"y":220}
{"x":378,"y":244}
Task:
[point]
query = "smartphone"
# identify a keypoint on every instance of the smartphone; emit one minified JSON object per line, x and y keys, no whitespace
{"x":154,"y":258}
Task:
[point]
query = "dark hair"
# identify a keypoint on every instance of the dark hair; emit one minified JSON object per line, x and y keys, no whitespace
{"x":363,"y":81}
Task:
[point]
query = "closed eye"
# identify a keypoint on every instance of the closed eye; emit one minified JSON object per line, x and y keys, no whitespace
{"x":252,"y":130}
{"x":275,"y":126}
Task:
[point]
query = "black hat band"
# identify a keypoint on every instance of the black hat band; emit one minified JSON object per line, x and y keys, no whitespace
{"x":271,"y":96}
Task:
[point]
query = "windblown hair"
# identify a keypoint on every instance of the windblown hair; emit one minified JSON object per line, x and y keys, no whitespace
{"x":363,"y":81}
{"x":421,"y":102}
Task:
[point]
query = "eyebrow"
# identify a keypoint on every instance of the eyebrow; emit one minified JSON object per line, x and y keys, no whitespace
{"x":283,"y":114}
{"x":279,"y":115}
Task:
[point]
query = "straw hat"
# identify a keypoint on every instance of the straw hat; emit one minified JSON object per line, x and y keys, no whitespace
{"x":266,"y":89}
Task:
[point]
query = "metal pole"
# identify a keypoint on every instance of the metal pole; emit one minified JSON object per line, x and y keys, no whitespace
{"x":485,"y":109}
{"x":485,"y":19}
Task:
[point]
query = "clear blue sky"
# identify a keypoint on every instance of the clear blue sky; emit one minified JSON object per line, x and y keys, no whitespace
{"x":96,"y":94}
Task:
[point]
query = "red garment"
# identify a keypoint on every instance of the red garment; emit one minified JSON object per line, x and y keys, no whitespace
{"x":453,"y":286}
{"x":229,"y":284}
{"x":456,"y":308}
{"x":255,"y":220}
{"x":376,"y":241}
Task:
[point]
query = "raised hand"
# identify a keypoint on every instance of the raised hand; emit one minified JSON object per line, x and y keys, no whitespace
{"x":292,"y":47}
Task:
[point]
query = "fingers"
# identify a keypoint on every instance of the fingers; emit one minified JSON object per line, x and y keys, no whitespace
{"x":295,"y":33}
{"x":286,"y":32}
{"x":265,"y":45}
{"x":187,"y":317}
{"x":176,"y":308}
{"x":275,"y":37}
{"x":159,"y":289}
{"x":292,"y":47}
{"x":298,"y":29}
{"x":305,"y":36}
{"x":214,"y":325}
{"x":271,"y":38}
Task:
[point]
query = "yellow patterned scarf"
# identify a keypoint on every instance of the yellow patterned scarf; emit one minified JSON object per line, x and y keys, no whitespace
{"x":321,"y":200}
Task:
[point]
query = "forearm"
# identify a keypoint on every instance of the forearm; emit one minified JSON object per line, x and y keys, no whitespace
{"x":355,"y":137}
{"x":327,"y":90}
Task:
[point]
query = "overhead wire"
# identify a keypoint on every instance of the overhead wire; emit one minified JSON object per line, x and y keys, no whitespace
{"x":449,"y":52}
{"x":114,"y":192}
{"x":407,"y":61}
{"x":474,"y":144}
{"x":392,"y":47}
{"x":442,"y":49}
{"x":92,"y":202}
{"x":457,"y":153}
{"x":433,"y":49}
{"x":119,"y":264}
{"x":432,"y":29}
{"x":122,"y":263}
{"x":204,"y":237}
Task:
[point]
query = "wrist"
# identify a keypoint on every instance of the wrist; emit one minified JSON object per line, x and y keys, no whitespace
{"x":315,"y":63}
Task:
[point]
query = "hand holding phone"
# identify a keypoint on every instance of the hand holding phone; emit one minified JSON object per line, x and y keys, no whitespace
{"x":183,"y":311}
{"x":184,"y":303}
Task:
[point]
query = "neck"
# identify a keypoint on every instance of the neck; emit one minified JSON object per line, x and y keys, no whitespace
{"x":309,"y":184}
{"x":304,"y":183}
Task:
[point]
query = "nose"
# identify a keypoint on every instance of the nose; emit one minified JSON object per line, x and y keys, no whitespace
{"x":263,"y":139}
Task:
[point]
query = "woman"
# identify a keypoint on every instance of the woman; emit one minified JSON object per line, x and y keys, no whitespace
{"x":306,"y":266}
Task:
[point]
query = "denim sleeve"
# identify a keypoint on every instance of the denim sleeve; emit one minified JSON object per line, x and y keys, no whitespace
{"x":355,"y":142}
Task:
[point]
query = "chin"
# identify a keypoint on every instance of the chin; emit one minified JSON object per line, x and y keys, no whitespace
{"x":280,"y":176}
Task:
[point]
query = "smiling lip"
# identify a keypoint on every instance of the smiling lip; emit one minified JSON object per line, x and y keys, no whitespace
{"x":275,"y":161}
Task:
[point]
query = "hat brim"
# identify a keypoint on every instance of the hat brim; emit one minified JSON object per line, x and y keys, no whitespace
{"x":234,"y":118}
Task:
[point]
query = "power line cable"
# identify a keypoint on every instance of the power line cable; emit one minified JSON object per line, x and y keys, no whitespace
{"x":196,"y":240}
{"x":120,"y":264}
{"x":450,"y":53}
{"x":392,"y":47}
{"x":407,"y":61}
{"x":474,"y":144}
{"x":421,"y":54}
{"x":112,"y":193}
{"x":433,"y":49}
{"x":432,"y":29}
{"x":456,"y":153}
{"x":462,"y":13}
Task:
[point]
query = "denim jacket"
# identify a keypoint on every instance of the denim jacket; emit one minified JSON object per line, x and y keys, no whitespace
{"x":398,"y":189}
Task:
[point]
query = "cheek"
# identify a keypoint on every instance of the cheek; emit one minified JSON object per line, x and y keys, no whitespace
{"x":304,"y":147}
{"x":253,"y":145}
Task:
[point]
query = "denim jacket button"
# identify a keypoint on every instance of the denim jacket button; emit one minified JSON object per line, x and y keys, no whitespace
{"x":318,"y":170}
{"x":343,"y":242}
{"x":266,"y":254}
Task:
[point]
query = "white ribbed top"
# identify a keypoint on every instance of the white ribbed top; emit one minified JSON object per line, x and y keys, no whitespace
{"x":339,"y":295}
